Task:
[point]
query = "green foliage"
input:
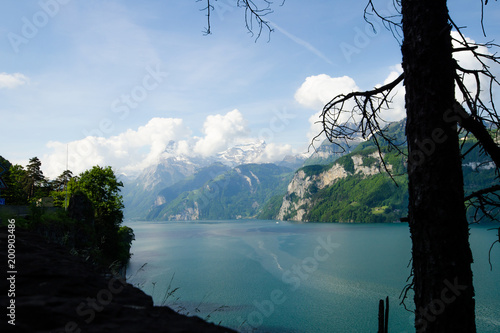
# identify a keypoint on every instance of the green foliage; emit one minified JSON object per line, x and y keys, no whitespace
{"x":196,"y":181}
{"x":357,"y":199}
{"x":99,"y":236}
{"x":396,"y":161}
{"x":25,"y":185}
{"x":270,"y":209}
{"x":60,"y":183}
{"x":347,"y":163}
{"x":15,"y":179}
{"x":125,"y":236}
{"x":239,"y":193}
{"x":102,"y":188}
{"x":313,"y":170}
{"x":35,"y":183}
{"x":59,"y":198}
{"x":368,"y":161}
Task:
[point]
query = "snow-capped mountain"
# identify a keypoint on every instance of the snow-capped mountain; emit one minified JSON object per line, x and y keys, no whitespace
{"x":241,"y":154}
{"x":141,"y":193}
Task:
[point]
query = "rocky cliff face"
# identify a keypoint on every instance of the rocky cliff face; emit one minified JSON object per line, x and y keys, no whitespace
{"x":188,"y":214}
{"x":306,"y":182}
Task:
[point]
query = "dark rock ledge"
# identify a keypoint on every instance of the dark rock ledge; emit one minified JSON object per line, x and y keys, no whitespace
{"x":57,"y":292}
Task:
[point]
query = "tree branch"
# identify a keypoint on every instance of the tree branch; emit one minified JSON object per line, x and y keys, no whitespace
{"x":389,"y":22}
{"x":255,"y":11}
{"x":482,"y":192}
{"x":209,"y":9}
{"x":367,"y":105}
{"x":477,"y":128}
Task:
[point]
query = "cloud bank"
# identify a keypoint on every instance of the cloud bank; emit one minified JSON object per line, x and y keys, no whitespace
{"x":318,"y":90}
{"x":133,"y":150}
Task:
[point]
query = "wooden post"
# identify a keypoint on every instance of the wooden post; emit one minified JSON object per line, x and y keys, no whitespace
{"x":381,"y":316}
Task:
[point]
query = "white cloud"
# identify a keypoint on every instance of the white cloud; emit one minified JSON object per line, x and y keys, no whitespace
{"x":465,"y":59}
{"x":10,"y":81}
{"x":274,"y":152}
{"x":133,"y":150}
{"x":397,"y":109}
{"x":221,"y":132}
{"x":318,"y":90}
{"x":129,"y":151}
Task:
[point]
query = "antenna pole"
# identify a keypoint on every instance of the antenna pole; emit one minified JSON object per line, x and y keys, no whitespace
{"x":66,"y":179}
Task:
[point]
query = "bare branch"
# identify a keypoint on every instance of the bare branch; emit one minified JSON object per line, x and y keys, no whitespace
{"x":482,"y":15}
{"x":481,"y":116}
{"x":390,"y":22}
{"x":409,"y":286}
{"x":489,"y":252}
{"x":368,"y":105}
{"x":255,"y":13}
{"x":209,"y":9}
{"x":484,"y":204}
{"x":482,"y":192}
{"x":477,"y":128}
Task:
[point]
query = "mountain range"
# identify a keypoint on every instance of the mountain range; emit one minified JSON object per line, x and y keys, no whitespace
{"x":173,"y":175}
{"x":336,"y":183}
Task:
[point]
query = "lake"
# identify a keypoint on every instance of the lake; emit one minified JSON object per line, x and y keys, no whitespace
{"x":268,"y":276}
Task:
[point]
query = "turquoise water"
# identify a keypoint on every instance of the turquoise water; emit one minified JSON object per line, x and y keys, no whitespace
{"x":263,"y":276}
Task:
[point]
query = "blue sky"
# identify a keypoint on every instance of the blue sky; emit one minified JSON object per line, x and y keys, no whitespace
{"x":115,"y":81}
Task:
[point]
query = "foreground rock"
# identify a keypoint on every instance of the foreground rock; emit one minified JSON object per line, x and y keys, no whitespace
{"x":57,"y":292}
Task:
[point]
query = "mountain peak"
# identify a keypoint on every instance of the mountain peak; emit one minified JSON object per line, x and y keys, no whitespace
{"x":242,"y":153}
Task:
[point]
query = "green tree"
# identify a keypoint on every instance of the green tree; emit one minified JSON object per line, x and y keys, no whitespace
{"x":103,"y":190}
{"x":125,"y":236}
{"x":5,"y":163}
{"x":59,"y":184}
{"x":35,"y":181}
{"x":16,"y":181}
{"x":59,"y":188}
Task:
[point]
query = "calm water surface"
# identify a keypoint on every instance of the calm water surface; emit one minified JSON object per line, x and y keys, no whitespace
{"x":263,"y":276}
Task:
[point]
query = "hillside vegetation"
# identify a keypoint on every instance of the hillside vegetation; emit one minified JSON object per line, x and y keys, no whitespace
{"x":357,"y":188}
{"x":238,"y":193}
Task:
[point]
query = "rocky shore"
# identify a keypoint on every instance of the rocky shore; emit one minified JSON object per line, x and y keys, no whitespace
{"x":52,"y":291}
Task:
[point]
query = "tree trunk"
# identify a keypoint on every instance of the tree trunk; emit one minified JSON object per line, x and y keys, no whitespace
{"x":444,"y":294}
